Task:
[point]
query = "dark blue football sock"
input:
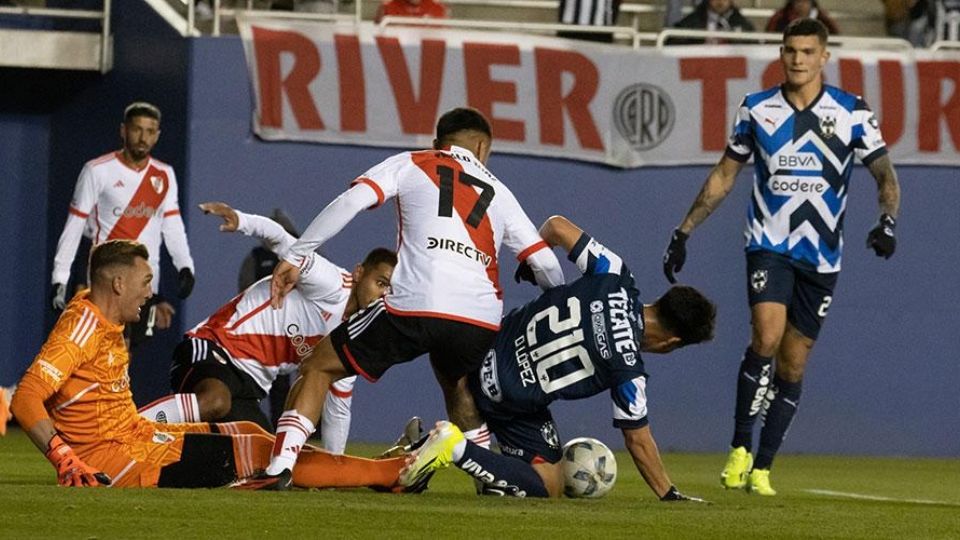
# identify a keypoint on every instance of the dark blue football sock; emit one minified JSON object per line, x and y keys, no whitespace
{"x":786,"y":397}
{"x":501,"y":475}
{"x":753,"y":381}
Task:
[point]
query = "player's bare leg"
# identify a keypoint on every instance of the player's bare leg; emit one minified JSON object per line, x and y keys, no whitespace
{"x":780,"y":403}
{"x":552,"y":476}
{"x":768,"y":321}
{"x":459,"y":402}
{"x":214,"y":399}
{"x":304,"y":405}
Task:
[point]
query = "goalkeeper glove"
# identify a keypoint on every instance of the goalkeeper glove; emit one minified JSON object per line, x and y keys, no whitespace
{"x":184,"y":283}
{"x":71,"y":471}
{"x":673,"y":495}
{"x":58,"y":296}
{"x":675,"y":255}
{"x":881,"y":237}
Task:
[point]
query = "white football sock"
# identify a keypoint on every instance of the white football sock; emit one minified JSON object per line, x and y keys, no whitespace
{"x":335,"y":421}
{"x":172,"y":409}
{"x":479,"y":436}
{"x":293,"y":430}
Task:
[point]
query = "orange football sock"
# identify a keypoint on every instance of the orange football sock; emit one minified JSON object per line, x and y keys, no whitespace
{"x":319,"y":469}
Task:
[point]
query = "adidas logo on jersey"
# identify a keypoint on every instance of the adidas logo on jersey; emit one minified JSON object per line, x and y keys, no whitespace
{"x":119,"y":184}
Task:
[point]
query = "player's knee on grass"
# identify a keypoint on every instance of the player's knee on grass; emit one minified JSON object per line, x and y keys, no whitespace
{"x":206,"y":461}
{"x":214,"y":399}
{"x":552,"y":476}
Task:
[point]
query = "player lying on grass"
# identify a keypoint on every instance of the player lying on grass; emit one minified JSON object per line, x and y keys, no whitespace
{"x":75,"y":404}
{"x":226,"y":364}
{"x":572,"y":342}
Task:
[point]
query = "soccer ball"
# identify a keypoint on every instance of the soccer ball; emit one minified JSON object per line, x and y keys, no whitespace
{"x":589,"y":468}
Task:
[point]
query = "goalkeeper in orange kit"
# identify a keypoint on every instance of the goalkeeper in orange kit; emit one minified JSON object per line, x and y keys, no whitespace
{"x":75,"y":404}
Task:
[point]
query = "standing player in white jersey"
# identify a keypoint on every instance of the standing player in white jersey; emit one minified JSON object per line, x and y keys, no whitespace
{"x":803,"y":136}
{"x":226,"y":364}
{"x":445,"y":296}
{"x":129,"y":195}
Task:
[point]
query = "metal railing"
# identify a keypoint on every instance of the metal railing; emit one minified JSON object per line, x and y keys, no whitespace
{"x":888,"y":44}
{"x":106,"y":60}
{"x":624,"y":33}
{"x":633,"y":11}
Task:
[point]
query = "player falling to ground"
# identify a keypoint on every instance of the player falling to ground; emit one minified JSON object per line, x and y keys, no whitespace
{"x":129,"y":195}
{"x":802,"y":136}
{"x":75,"y":403}
{"x":445,"y":296}
{"x":572,"y":342}
{"x":226,"y":364}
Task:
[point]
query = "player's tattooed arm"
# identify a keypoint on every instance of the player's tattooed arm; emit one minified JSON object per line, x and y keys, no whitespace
{"x":714,"y":191}
{"x":888,"y":187}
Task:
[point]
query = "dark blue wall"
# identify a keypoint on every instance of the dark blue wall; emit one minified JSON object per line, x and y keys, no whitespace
{"x":882,"y":380}
{"x":51,"y":123}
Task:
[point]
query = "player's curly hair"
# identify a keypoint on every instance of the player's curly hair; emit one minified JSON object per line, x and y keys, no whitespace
{"x":115,"y":253}
{"x":380,"y":255}
{"x":686,"y":313}
{"x":806,"y":27}
{"x":460,"y":119}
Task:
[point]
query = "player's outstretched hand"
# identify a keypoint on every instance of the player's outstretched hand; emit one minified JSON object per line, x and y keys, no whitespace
{"x":285,"y":277}
{"x":58,"y":296}
{"x":525,"y":273}
{"x":230,"y":218}
{"x":881,"y":237}
{"x":71,"y":470}
{"x":674,"y":495}
{"x":675,"y":255}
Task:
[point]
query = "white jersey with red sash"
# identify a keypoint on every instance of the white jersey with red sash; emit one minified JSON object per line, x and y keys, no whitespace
{"x":454,"y":215}
{"x":266,"y":342}
{"x":115,"y":201}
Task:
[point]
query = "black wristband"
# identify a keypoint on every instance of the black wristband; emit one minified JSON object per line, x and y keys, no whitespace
{"x":888,"y":221}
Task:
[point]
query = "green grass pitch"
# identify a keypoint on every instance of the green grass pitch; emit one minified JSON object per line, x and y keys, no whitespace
{"x":819,"y":497}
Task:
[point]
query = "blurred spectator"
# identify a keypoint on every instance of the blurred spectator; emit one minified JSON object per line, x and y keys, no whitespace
{"x":589,"y":13}
{"x":909,"y":20}
{"x":428,"y":9}
{"x":801,"y":9}
{"x":947,"y":20}
{"x":674,"y":11}
{"x":715,"y":15}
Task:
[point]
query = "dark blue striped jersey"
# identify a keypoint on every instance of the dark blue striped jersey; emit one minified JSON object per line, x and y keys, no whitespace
{"x":573,"y":342}
{"x":802,"y":165}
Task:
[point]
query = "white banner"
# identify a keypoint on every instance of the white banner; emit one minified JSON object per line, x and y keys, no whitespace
{"x":552,"y":97}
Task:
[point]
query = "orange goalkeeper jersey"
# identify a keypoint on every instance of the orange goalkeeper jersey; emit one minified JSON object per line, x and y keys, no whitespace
{"x":82,"y":369}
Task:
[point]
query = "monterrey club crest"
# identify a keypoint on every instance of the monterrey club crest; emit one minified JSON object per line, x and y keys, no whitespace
{"x":549,"y":433}
{"x":758,"y":280}
{"x":828,"y":126}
